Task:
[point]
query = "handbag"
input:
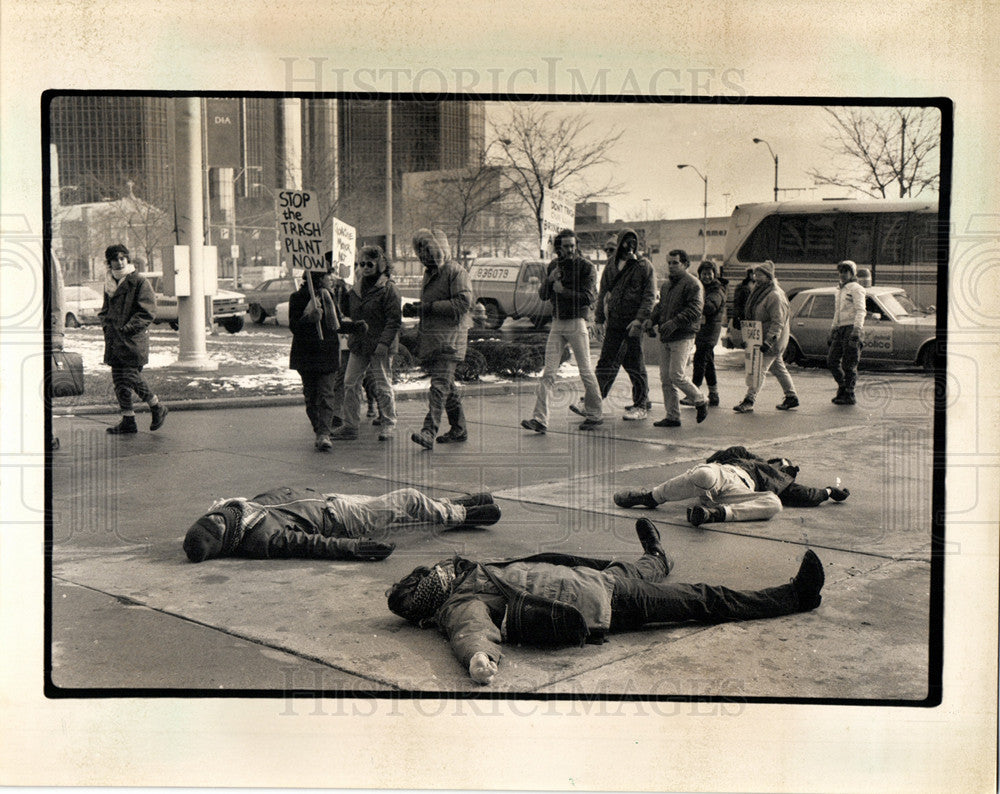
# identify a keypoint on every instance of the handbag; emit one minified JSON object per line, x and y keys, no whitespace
{"x":66,"y":374}
{"x":534,"y":620}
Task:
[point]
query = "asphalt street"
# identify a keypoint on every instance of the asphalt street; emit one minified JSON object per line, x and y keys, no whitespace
{"x":129,"y":612}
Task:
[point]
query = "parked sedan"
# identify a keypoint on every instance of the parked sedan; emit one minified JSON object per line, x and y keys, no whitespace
{"x":896,"y":331}
{"x":82,"y":305}
{"x":263,"y":300}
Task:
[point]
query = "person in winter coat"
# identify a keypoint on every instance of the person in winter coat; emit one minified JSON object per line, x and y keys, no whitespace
{"x":845,"y":333}
{"x":316,"y":326}
{"x":768,"y":305}
{"x":480,"y":605}
{"x":676,"y":318}
{"x":711,"y":328}
{"x":625,"y":299}
{"x":300,"y":522}
{"x":373,"y":300}
{"x":129,"y":308}
{"x":571,"y":284}
{"x":740,"y":295}
{"x":445,"y":311}
{"x":734,"y":485}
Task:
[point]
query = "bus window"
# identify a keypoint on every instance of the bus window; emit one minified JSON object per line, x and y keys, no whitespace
{"x":859,"y":238}
{"x":924,"y":239}
{"x":762,"y":242}
{"x":891,"y":231}
{"x":807,"y":238}
{"x":821,"y":308}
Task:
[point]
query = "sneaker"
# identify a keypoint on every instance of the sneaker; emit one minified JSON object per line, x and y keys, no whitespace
{"x":590,"y":424}
{"x":635,"y":413}
{"x":702,"y":409}
{"x":688,"y":402}
{"x":839,"y":494}
{"x":809,"y":581}
{"x":474,"y":500}
{"x":649,"y":537}
{"x":628,"y":499}
{"x":667,"y":422}
{"x":578,"y":408}
{"x":126,"y":425}
{"x":323,"y":443}
{"x":159,"y":412}
{"x":424,"y":438}
{"x":386,"y":434}
{"x":713,"y":398}
{"x":745,"y":407}
{"x":699,"y":514}
{"x":790,"y":401}
{"x":453,"y":436}
{"x":344,"y":433}
{"x":533,"y":424}
{"x":481,"y":516}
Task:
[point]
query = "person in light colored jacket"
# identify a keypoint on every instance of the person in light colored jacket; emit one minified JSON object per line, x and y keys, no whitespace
{"x":845,"y":333}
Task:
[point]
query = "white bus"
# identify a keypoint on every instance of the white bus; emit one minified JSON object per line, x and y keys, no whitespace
{"x":895,"y":240}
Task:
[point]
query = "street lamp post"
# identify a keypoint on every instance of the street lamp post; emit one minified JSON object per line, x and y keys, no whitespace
{"x":761,"y":140}
{"x":704,"y":223}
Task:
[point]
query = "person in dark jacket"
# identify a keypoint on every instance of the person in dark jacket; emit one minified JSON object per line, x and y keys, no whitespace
{"x":445,"y":311}
{"x":734,"y":485}
{"x":571,"y":284}
{"x":676,"y":318}
{"x":711,"y":328}
{"x":300,"y":522}
{"x":476,"y":604}
{"x":373,"y":300}
{"x":129,"y":308}
{"x":740,"y":295}
{"x":625,"y":299}
{"x":316,"y":326}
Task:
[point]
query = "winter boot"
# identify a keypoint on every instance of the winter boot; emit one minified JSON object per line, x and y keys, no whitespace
{"x":698,"y":515}
{"x":126,"y":425}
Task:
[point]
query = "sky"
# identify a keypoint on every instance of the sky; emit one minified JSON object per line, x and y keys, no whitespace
{"x":718,"y":141}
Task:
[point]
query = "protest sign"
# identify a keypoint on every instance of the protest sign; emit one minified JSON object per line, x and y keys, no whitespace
{"x":300,"y":233}
{"x":753,"y":336}
{"x":344,"y":249}
{"x":558,"y":212}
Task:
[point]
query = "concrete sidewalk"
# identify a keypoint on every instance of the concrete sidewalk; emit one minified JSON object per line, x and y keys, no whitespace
{"x":129,"y":611}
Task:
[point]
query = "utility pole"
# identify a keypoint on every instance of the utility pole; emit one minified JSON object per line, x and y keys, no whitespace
{"x":389,"y":247}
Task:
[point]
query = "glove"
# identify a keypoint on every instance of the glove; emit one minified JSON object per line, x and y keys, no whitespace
{"x":855,"y":334}
{"x":359,"y":327}
{"x":381,"y":350}
{"x":650,"y":328}
{"x":412,"y":309}
{"x":482,"y":668}
{"x":766,"y":348}
{"x":635,"y":328}
{"x":371,"y":550}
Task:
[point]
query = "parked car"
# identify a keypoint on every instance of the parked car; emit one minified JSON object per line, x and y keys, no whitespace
{"x":82,"y":305}
{"x":263,"y":300}
{"x":896,"y":330}
{"x":228,"y":307}
{"x":509,"y":288}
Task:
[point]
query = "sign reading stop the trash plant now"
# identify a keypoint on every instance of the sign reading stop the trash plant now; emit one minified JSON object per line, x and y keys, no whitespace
{"x":300,"y":234}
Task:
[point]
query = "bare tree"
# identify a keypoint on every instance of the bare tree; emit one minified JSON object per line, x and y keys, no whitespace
{"x":545,"y":151}
{"x":884,"y":151}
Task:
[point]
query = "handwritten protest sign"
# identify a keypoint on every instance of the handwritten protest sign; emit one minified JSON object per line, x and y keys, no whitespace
{"x":753,"y":335}
{"x":300,"y":232}
{"x":558,"y":212}
{"x":345,"y":239}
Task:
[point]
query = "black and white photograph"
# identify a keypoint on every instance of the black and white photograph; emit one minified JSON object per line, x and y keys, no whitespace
{"x":610,"y":406}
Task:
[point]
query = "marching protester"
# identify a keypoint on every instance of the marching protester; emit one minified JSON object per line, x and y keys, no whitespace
{"x":768,"y":305}
{"x":845,"y":333}
{"x":734,"y":484}
{"x":553,"y":599}
{"x":571,"y":284}
{"x":300,"y":522}
{"x":374,"y":301}
{"x":624,"y":301}
{"x":711,"y":329}
{"x":128,"y":310}
{"x":740,"y":295}
{"x":676,"y":318}
{"x":444,"y":309}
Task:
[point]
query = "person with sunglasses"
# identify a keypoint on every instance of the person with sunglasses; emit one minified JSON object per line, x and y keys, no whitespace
{"x":374,"y":301}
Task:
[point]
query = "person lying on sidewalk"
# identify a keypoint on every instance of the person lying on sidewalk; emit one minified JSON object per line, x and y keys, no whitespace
{"x":300,"y":522}
{"x":734,"y":484}
{"x":556,"y":600}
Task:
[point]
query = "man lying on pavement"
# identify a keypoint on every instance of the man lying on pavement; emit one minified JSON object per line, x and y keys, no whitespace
{"x":300,"y":522}
{"x":559,"y":599}
{"x":734,"y":484}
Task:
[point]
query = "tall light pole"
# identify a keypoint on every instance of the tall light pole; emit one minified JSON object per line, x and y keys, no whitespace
{"x":704,"y":223}
{"x":761,"y":140}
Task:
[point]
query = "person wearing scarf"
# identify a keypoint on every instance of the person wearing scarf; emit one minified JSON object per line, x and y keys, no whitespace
{"x":128,"y":310}
{"x":374,"y":300}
